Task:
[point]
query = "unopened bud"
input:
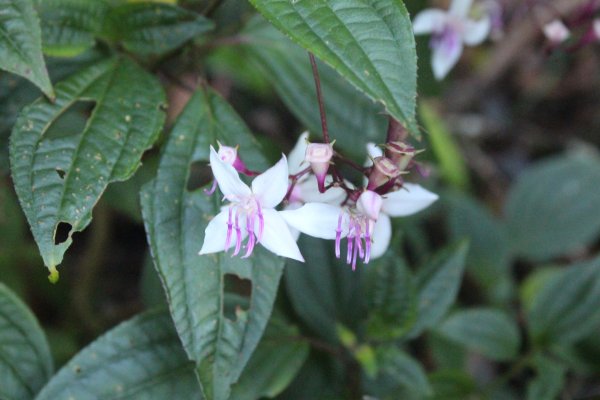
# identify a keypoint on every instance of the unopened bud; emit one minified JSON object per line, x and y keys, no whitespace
{"x":386,"y":167}
{"x":230,"y":156}
{"x":403,"y":153}
{"x":369,"y":203}
{"x":319,"y":155}
{"x":556,"y":32}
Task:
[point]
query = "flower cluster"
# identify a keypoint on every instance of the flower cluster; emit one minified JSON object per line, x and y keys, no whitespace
{"x":314,"y":202}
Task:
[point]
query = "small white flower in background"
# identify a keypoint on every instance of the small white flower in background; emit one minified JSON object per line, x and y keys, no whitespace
{"x":450,"y":30}
{"x":556,"y":32}
{"x":596,"y":27}
{"x":251,"y":212}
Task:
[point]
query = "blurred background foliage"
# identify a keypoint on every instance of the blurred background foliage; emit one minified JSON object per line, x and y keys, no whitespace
{"x":492,"y":293}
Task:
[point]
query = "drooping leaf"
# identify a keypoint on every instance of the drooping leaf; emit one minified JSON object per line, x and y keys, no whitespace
{"x":352,"y":118}
{"x":391,"y":296}
{"x":549,"y":380}
{"x":438,"y":283}
{"x":565,"y":308}
{"x":59,"y":180}
{"x":21,"y":43}
{"x":154,"y":29}
{"x":25,"y":360}
{"x":552,"y":209}
{"x":140,"y":358}
{"x":175,"y":220}
{"x":324,"y":291}
{"x":488,"y":331}
{"x":368,"y":42}
{"x":276,"y":361}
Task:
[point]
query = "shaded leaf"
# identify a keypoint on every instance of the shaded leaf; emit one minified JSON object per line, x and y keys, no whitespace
{"x":549,"y":380}
{"x":490,"y":332}
{"x":25,"y":360}
{"x":21,"y":43}
{"x":140,"y":358}
{"x":451,"y":385}
{"x":552,"y":209}
{"x":59,"y":180}
{"x":175,"y":220}
{"x":368,"y":42}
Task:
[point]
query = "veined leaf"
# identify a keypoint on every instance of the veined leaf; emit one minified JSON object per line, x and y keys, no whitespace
{"x":21,"y":43}
{"x":438,"y":283}
{"x":549,"y":380}
{"x":25,"y":360}
{"x":59,"y":180}
{"x":369,"y":42}
{"x":276,"y":361}
{"x":175,"y":220}
{"x":140,"y":359}
{"x":352,"y":118}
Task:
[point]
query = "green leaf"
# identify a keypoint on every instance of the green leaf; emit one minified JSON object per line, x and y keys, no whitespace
{"x":69,"y":27}
{"x":438,"y":283}
{"x":565,"y":309}
{"x":140,"y":359}
{"x":488,"y":260}
{"x":549,"y":380}
{"x":391,"y":297}
{"x":153,"y":28}
{"x":368,"y":42}
{"x":25,"y":360}
{"x":452,"y":165}
{"x":552,"y":209}
{"x":352,"y":118}
{"x":59,"y":180}
{"x":175,"y":220}
{"x":21,"y":43}
{"x":488,"y":331}
{"x":402,"y":372}
{"x":323,"y":290}
{"x":451,"y":385}
{"x":276,"y":361}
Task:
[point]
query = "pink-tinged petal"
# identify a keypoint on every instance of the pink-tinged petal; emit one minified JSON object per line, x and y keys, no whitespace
{"x":271,"y":186}
{"x":428,"y":21}
{"x":460,"y":8}
{"x":277,"y":237}
{"x":447,"y":49}
{"x":382,"y":234}
{"x":296,"y":156}
{"x":227,"y":177}
{"x":369,"y":203}
{"x":314,"y":219}
{"x":556,"y":31}
{"x":476,"y":31}
{"x":308,"y":192}
{"x":409,"y":200}
{"x":215,"y":234}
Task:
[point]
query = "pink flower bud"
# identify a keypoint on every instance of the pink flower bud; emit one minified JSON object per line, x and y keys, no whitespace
{"x":319,"y":155}
{"x":404,"y":152}
{"x":386,"y":167}
{"x":230,"y":156}
{"x":369,"y":203}
{"x":556,"y":32}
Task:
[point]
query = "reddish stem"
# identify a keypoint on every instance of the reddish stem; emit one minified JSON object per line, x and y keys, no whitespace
{"x":315,"y":71}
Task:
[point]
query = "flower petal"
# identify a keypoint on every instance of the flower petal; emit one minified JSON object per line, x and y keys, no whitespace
{"x":382,"y":234}
{"x":216,"y":233}
{"x":314,"y":219}
{"x":271,"y":186}
{"x":446,"y":52}
{"x":460,"y":7}
{"x":309,"y":191}
{"x":409,"y":200}
{"x":227,"y":177}
{"x":429,"y":20}
{"x":277,"y":238}
{"x":296,"y":156}
{"x":476,"y":31}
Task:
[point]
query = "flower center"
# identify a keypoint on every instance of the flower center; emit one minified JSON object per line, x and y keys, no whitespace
{"x":360,"y":227}
{"x":246,"y":210}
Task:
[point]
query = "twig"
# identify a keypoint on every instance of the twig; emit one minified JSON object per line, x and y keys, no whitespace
{"x":315,"y":71}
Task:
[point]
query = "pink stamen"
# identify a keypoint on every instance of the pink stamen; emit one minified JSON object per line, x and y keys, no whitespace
{"x":354,"y":255}
{"x":350,"y":243}
{"x":261,"y":221}
{"x":338,"y":236}
{"x":229,"y":230}
{"x":250,"y":230}
{"x":367,"y":247}
{"x":238,"y":233}
{"x":212,"y":189}
{"x":358,"y":240}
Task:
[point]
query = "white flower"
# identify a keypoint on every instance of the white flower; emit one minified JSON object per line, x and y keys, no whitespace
{"x":556,"y":32}
{"x":450,"y":30}
{"x":251,"y":212}
{"x":596,"y":28}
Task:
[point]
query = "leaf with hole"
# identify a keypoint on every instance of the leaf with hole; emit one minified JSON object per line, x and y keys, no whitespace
{"x":140,"y":359}
{"x":59,"y":180}
{"x":21,"y":43}
{"x":25,"y":360}
{"x":220,"y":342}
{"x":368,"y":42}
